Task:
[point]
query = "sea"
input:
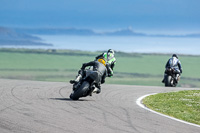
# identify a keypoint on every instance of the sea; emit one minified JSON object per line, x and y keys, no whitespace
{"x":164,"y":45}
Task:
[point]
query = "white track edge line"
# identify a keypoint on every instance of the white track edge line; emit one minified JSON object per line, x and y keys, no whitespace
{"x":139,"y":103}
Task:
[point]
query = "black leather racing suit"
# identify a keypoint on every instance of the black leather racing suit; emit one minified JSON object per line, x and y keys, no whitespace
{"x":99,"y":68}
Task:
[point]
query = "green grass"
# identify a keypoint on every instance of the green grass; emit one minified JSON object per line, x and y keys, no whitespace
{"x":62,"y":65}
{"x":184,"y":105}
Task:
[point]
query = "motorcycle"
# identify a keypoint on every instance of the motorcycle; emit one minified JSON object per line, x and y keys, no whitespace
{"x":170,"y":78}
{"x":86,"y":85}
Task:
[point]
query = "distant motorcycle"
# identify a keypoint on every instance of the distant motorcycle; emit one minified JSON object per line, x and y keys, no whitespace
{"x":170,"y":78}
{"x":85,"y":86}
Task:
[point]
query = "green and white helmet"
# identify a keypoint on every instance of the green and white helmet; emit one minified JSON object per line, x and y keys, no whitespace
{"x":110,"y":56}
{"x":110,"y":53}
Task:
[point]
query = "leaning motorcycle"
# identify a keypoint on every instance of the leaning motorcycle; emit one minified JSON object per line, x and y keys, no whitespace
{"x":170,"y":78}
{"x":86,"y":85}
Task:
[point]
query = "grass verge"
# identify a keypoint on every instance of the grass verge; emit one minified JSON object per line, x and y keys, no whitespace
{"x":184,"y":105}
{"x":63,"y":65}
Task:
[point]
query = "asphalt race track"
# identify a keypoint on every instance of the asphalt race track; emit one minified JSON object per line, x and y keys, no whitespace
{"x":44,"y":107}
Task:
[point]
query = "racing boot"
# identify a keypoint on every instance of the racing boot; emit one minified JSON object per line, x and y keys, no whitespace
{"x":177,"y":78}
{"x":97,"y":90}
{"x":93,"y":88}
{"x":78,"y":78}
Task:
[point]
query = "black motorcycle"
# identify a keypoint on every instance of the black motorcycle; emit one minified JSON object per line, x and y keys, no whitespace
{"x":86,"y":85}
{"x":170,"y":78}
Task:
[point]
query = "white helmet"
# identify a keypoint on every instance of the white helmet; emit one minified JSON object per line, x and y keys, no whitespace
{"x":110,"y":51}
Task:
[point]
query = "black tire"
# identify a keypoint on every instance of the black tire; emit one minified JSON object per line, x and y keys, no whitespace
{"x":168,"y":81}
{"x":81,"y":91}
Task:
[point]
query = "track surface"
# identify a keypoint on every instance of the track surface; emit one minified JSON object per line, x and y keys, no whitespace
{"x":44,"y":107}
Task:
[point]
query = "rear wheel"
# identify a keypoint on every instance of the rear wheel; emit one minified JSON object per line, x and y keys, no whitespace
{"x":81,"y":91}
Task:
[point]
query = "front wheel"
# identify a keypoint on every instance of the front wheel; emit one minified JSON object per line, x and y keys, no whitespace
{"x":168,"y":80}
{"x":81,"y":91}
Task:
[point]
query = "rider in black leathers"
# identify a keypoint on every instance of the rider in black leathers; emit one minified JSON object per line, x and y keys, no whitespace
{"x":175,"y":63}
{"x":98,"y":67}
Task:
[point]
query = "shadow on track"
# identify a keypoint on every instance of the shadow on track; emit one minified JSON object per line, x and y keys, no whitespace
{"x":68,"y":99}
{"x":61,"y":99}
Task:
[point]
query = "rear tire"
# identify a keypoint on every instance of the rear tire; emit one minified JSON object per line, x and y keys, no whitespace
{"x":81,"y":91}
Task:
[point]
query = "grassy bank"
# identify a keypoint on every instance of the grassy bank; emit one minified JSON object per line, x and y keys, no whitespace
{"x":62,"y":65}
{"x":184,"y":105}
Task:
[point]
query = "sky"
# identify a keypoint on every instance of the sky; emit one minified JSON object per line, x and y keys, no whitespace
{"x":141,"y":15}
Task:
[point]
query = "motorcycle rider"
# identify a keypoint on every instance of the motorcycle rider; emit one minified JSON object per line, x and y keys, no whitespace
{"x":109,"y":56}
{"x":175,"y":63}
{"x":98,"y":66}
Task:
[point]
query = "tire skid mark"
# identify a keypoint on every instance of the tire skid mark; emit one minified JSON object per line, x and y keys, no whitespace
{"x":114,"y":113}
{"x":80,"y":106}
{"x":118,"y":95}
{"x":109,"y":114}
{"x":129,"y":122}
{"x":4,"y":106}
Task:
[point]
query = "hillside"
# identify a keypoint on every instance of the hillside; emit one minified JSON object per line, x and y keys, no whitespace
{"x":89,"y":32}
{"x":11,"y":37}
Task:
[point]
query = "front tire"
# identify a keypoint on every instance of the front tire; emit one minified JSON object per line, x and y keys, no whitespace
{"x":81,"y":91}
{"x":168,"y":81}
